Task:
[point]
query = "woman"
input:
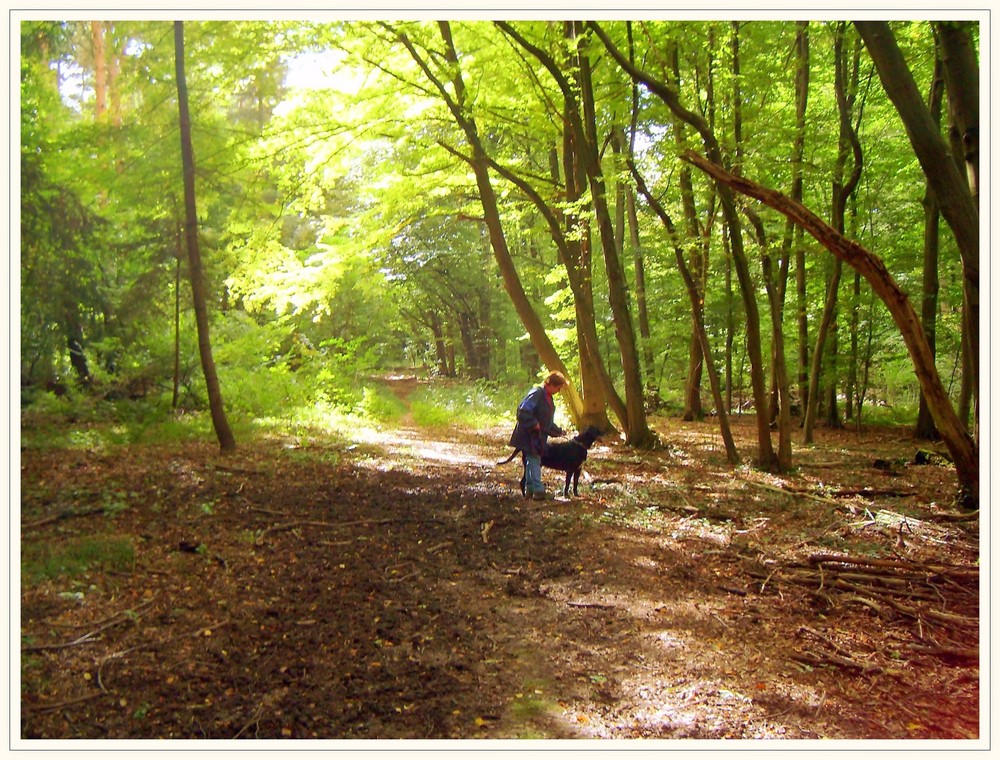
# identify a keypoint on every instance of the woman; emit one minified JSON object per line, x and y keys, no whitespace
{"x":534,"y":425}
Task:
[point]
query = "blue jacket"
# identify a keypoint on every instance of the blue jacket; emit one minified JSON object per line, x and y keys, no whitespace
{"x":534,"y":422}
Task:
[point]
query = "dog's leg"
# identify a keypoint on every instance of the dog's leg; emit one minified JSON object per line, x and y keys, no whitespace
{"x":576,"y":481}
{"x":524,"y":474}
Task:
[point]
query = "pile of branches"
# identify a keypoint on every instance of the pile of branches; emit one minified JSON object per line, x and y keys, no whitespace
{"x":939,"y":602}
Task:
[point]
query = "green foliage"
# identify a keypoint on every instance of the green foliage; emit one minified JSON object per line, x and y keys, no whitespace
{"x":342,"y":232}
{"x":380,"y":405}
{"x":482,"y":404}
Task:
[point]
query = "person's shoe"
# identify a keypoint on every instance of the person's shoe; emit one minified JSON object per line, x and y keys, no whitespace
{"x":541,"y":495}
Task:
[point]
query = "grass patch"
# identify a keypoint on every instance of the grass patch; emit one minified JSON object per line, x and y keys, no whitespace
{"x":477,"y":406}
{"x":40,"y":562}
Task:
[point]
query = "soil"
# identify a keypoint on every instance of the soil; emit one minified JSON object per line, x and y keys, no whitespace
{"x":398,"y":586}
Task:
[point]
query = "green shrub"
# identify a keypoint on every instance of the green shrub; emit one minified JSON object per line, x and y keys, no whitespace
{"x":379,"y":405}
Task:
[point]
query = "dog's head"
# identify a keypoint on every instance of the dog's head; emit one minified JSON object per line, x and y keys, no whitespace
{"x":588,"y":436}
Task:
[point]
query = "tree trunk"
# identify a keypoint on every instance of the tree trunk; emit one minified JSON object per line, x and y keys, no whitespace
{"x":100,"y":69}
{"x":845,"y":88}
{"x":766,"y":457}
{"x":793,"y":234}
{"x":961,"y":75}
{"x":74,"y":341}
{"x":960,"y":444}
{"x":852,"y":365}
{"x":956,"y":198}
{"x":579,"y":110}
{"x":784,"y":414}
{"x":698,"y":317}
{"x":179,"y":250}
{"x":222,"y":430}
{"x":630,"y":221}
{"x":929,"y":303}
{"x":693,"y":409}
{"x":584,"y":126}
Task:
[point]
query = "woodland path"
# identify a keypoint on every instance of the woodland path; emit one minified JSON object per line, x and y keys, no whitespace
{"x":397,"y":586}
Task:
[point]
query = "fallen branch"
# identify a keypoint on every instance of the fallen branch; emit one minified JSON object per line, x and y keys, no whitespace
{"x":844,"y":662}
{"x":959,"y":653}
{"x":794,"y":492}
{"x":872,"y":492}
{"x":64,"y":515}
{"x":65,"y":703}
{"x":955,"y":571}
{"x":591,"y":605}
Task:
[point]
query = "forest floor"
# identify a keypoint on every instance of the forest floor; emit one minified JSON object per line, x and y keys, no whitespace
{"x":397,"y":586}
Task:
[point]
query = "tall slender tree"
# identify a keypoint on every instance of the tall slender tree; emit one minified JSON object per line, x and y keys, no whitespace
{"x":766,"y":457}
{"x":223,"y":432}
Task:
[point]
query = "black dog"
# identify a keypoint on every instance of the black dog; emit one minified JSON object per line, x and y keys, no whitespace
{"x":567,"y":457}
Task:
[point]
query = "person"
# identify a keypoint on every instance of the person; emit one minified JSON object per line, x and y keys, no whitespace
{"x":535,"y":423}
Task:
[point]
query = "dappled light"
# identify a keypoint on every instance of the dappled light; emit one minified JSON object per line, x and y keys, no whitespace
{"x":401,"y":584}
{"x":306,"y":306}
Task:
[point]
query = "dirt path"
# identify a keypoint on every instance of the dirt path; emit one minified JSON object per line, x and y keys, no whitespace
{"x":397,"y":586}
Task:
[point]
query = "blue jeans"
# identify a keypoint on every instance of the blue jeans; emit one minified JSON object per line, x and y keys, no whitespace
{"x":533,"y":474}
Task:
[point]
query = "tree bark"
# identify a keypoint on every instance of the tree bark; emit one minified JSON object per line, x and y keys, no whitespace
{"x":222,"y":430}
{"x":960,"y":444}
{"x":956,"y":198}
{"x":929,"y":302}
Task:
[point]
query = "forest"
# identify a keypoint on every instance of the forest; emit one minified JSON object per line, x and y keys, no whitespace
{"x":282,"y":284}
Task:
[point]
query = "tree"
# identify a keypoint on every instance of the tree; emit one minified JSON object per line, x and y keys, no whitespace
{"x":960,"y":444}
{"x":581,"y":121}
{"x":479,"y":162}
{"x":766,"y":457}
{"x":953,"y":192}
{"x":845,"y":86}
{"x":223,"y":432}
{"x":931,"y":283}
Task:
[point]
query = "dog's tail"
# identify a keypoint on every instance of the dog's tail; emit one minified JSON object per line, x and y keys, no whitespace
{"x":512,"y":455}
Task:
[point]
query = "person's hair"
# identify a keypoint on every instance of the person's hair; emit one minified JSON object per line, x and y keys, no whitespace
{"x":556,"y":379}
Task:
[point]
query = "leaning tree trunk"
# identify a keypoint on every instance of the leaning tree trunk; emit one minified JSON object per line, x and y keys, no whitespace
{"x":222,"y":430}
{"x":697,"y":316}
{"x":955,"y":195}
{"x":960,"y":444}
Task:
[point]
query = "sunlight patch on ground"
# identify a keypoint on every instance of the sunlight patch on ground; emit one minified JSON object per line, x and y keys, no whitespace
{"x":406,"y":444}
